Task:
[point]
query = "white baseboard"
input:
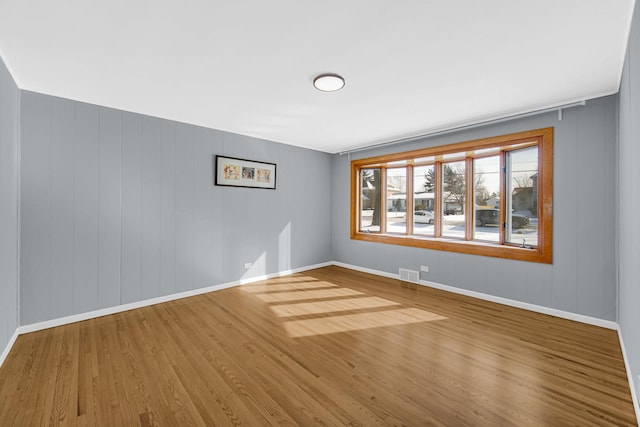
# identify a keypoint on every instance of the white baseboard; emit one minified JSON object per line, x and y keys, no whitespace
{"x":33,"y":327}
{"x":144,"y":303}
{"x":367,"y":270}
{"x":525,"y":305}
{"x":634,"y":394}
{"x":500,"y":300}
{"x":7,"y":349}
{"x":125,"y":307}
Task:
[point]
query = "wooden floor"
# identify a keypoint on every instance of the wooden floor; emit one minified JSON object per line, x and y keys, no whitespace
{"x":328,"y":347}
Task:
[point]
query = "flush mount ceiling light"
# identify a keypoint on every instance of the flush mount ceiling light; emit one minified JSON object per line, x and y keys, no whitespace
{"x":328,"y":82}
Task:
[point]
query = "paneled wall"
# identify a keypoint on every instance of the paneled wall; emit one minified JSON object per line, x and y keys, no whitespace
{"x":582,"y":278}
{"x":9,"y":110}
{"x":119,"y":207}
{"x":629,"y":202}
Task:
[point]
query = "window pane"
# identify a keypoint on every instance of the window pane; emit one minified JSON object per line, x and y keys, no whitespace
{"x":424,"y":183}
{"x":522,"y":205}
{"x":370,"y":200}
{"x":396,"y":200}
{"x":453,"y":193}
{"x":486,"y":193}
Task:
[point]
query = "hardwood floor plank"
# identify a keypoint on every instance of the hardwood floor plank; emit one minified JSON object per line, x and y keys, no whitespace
{"x":63,"y":409}
{"x":329,"y":347}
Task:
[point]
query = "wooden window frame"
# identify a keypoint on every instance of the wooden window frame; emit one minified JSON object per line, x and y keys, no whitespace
{"x":543,"y":253}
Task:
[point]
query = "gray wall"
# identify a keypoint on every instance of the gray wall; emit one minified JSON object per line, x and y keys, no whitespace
{"x":629,"y":202}
{"x":118,"y":207}
{"x":582,"y":278}
{"x":9,"y":110}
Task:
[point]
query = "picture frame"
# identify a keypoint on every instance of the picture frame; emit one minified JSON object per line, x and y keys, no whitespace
{"x":236,"y":172}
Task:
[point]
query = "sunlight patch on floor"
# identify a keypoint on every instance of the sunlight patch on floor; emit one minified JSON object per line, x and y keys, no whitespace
{"x":302,"y":295}
{"x":287,"y":287}
{"x":354,"y":322}
{"x":286,"y":279}
{"x":320,"y":307}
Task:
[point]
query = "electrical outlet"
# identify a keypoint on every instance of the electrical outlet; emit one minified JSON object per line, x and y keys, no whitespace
{"x":424,"y":268}
{"x":247,"y":265}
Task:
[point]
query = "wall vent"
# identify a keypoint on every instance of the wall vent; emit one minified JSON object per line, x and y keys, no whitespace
{"x":409,"y":275}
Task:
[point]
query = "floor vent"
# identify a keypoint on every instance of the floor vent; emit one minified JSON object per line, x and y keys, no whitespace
{"x":409,"y":275}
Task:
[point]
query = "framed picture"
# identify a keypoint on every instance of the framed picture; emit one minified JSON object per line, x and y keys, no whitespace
{"x":233,"y":172}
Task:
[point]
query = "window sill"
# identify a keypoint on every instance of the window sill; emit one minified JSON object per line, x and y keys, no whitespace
{"x":460,"y":246}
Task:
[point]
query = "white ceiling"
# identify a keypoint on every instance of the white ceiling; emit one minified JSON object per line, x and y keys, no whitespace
{"x":247,"y":66}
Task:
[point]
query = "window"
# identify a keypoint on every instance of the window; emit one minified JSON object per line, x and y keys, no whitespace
{"x":486,"y":193}
{"x":396,"y":200}
{"x":453,"y":192}
{"x":423,"y":199}
{"x":370,"y":186}
{"x":488,"y":197}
